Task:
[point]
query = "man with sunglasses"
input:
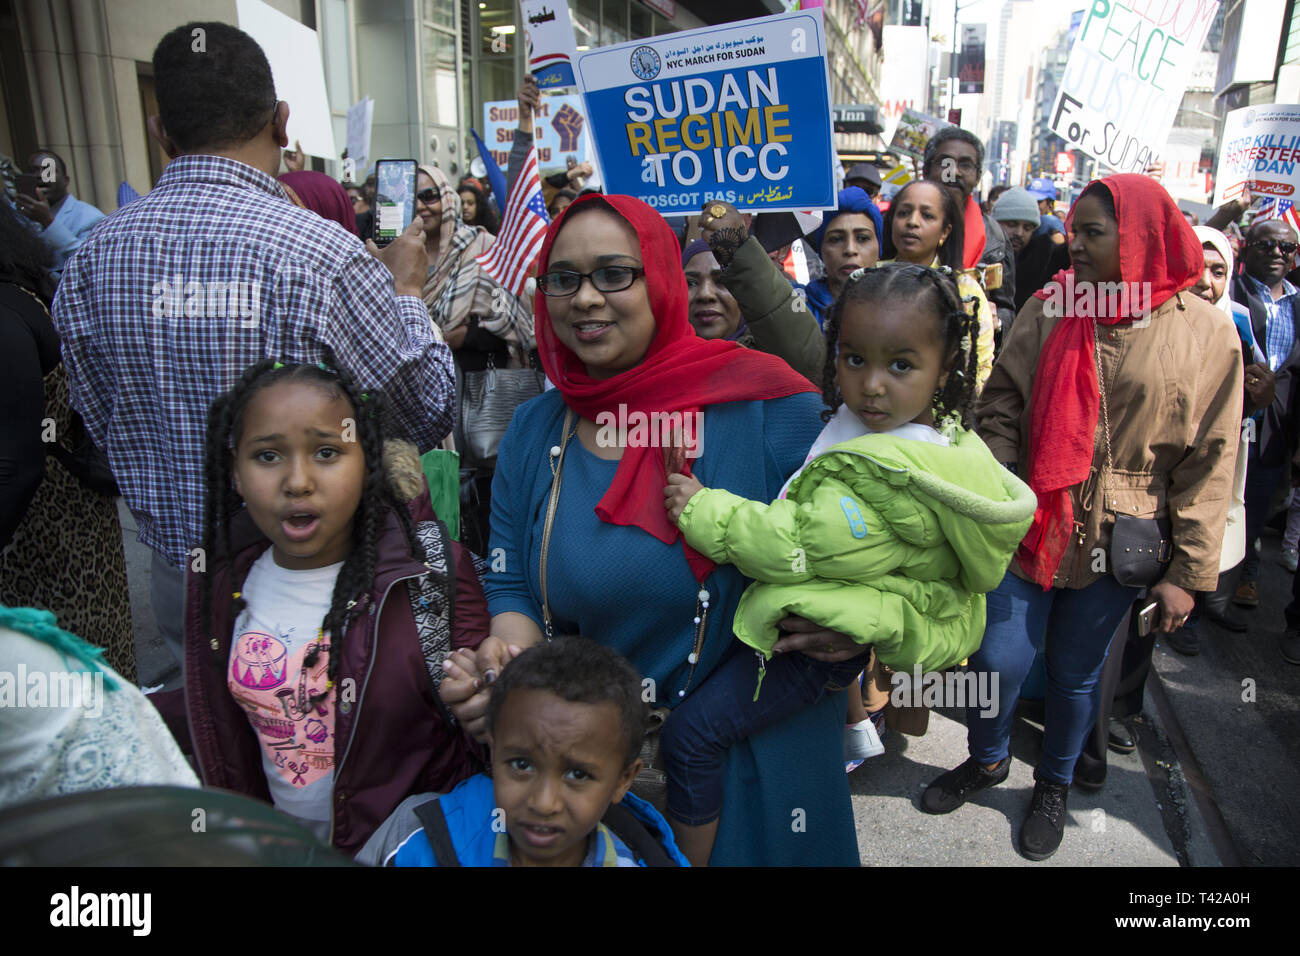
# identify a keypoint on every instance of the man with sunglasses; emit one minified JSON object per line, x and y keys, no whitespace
{"x":1274,"y":305}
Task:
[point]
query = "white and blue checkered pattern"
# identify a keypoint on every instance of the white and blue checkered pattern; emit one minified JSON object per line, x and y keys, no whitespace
{"x":143,"y":376}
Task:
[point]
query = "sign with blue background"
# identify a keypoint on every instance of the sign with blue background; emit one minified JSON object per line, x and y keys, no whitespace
{"x":739,"y":112}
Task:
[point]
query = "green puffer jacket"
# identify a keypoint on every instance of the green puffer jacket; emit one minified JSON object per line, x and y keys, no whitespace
{"x":893,"y":541}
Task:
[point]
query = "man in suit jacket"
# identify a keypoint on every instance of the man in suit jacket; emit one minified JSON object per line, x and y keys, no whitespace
{"x":1274,"y":305}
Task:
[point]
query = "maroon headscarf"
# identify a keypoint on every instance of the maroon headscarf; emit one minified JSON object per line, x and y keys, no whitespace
{"x":324,"y":196}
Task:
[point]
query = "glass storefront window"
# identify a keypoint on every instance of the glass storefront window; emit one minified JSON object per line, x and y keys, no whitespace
{"x":585,"y":15}
{"x":642,"y":21}
{"x":613,"y":22}
{"x":496,"y":20}
{"x":440,"y":79}
{"x":497,"y":82}
{"x":440,"y":12}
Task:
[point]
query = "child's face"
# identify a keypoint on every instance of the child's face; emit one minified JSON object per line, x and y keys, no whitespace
{"x":301,"y":480}
{"x":890,"y":362}
{"x":556,"y":768}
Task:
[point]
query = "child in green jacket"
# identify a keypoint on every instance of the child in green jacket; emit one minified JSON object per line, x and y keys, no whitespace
{"x":891,"y":532}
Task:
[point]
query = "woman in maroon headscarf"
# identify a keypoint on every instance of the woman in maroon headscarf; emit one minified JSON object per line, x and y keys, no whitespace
{"x":1117,"y":396}
{"x":322,"y":195}
{"x":614,"y":337}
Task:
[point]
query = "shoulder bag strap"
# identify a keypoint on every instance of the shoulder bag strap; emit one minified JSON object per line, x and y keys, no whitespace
{"x":557,"y":470}
{"x":434,"y":822}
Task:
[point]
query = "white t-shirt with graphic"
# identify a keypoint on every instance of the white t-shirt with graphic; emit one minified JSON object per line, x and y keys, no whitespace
{"x":268,"y":676}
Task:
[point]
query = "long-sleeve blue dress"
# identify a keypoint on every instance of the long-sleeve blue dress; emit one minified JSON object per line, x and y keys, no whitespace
{"x":787,"y":798}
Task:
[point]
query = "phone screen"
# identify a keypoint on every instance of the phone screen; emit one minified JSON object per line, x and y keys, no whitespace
{"x":394,"y":198}
{"x":27,"y":184}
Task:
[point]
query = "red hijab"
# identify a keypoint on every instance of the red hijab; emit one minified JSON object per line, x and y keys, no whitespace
{"x":973,"y":237}
{"x":681,"y":372}
{"x":1156,"y":246}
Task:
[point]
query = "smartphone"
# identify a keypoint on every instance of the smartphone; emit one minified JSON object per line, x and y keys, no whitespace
{"x":27,"y":184}
{"x":394,"y":198}
{"x":1147,"y":618}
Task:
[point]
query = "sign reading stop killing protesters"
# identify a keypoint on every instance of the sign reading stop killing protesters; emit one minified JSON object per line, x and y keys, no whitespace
{"x":1125,"y":78}
{"x":1261,"y":149}
{"x":739,"y":112}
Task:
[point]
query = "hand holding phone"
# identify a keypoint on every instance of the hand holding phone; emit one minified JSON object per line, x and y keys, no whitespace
{"x":394,"y":198}
{"x":1147,"y":618}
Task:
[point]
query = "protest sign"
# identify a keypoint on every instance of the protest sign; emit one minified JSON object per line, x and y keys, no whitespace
{"x":913,"y":132}
{"x":1260,"y":149}
{"x":293,"y":52}
{"x":560,"y":130}
{"x":1125,"y":78}
{"x":548,"y":39}
{"x":361,"y":116}
{"x":715,"y":113}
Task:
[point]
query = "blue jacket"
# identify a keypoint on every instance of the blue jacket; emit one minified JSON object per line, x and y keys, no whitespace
{"x":468,"y":810}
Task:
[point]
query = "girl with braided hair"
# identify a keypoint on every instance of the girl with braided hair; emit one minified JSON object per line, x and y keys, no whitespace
{"x":891,"y":532}
{"x":294,"y":617}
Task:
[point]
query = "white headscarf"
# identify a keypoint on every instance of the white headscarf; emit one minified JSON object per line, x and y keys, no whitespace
{"x":1212,"y":237}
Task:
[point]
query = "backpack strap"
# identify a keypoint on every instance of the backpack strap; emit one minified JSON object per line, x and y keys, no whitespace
{"x":434,"y":822}
{"x":433,"y":605}
{"x":624,"y":824}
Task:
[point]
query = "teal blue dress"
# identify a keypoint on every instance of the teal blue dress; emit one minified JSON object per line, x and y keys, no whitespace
{"x":787,"y":797}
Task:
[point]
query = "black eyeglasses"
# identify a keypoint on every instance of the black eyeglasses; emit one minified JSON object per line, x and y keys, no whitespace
{"x":427,"y":196}
{"x":1286,"y":248}
{"x":606,"y":279}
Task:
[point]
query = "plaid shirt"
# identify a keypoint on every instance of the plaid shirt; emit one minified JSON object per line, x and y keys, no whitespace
{"x":1279,"y":327}
{"x":173,"y":296}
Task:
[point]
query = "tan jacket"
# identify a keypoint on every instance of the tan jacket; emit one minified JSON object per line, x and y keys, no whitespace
{"x":1173,"y":387}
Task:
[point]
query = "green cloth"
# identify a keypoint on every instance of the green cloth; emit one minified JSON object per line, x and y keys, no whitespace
{"x":442,"y":472}
{"x":893,"y":541}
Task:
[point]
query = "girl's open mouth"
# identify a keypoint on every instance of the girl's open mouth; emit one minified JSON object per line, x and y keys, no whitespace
{"x":300,"y":526}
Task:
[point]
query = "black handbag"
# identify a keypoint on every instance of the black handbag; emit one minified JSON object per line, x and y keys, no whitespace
{"x":1140,"y":548}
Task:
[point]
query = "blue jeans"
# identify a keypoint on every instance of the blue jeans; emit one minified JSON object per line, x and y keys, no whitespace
{"x":722,"y":711}
{"x":1261,"y":483}
{"x":1077,"y":626}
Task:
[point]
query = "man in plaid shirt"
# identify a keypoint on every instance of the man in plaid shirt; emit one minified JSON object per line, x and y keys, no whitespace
{"x":170,"y":298}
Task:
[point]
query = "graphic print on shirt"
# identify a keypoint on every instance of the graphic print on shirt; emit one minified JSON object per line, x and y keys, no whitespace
{"x":275,"y":683}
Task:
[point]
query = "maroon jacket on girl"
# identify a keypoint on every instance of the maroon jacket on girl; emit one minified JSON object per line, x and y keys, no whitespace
{"x":388,"y":744}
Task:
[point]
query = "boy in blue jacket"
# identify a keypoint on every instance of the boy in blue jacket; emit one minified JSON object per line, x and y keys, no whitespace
{"x":566,"y":722}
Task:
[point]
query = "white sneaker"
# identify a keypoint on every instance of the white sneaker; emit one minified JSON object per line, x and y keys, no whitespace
{"x":862,"y":741}
{"x":1290,"y":558}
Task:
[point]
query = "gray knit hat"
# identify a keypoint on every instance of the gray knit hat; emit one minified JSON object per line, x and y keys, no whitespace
{"x":1016,"y":205}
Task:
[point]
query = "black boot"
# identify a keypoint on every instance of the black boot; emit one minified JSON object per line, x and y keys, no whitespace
{"x":1040,"y":836}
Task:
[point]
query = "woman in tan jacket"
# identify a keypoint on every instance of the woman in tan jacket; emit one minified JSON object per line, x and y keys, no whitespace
{"x":1117,"y":397}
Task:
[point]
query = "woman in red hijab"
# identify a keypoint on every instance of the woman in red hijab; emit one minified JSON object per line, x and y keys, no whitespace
{"x":323,"y":195}
{"x":1117,"y":397}
{"x":639,"y":394}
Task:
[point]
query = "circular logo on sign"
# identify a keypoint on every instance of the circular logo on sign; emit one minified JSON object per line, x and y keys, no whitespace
{"x":645,"y":62}
{"x":1250,"y":117}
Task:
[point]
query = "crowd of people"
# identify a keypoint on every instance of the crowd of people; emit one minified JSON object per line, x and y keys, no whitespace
{"x":977,"y":436}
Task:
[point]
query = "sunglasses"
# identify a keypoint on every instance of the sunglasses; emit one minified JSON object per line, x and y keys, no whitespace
{"x":1286,"y":248}
{"x":607,"y":279}
{"x":427,"y":196}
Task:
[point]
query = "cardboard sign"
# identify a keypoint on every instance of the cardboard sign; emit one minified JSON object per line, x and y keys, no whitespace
{"x":548,"y":40}
{"x":1125,"y":78}
{"x":913,"y":132}
{"x":1260,"y":148}
{"x":560,"y":130}
{"x":739,"y":112}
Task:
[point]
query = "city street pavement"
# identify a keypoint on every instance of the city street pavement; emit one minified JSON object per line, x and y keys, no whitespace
{"x":1214,"y":781}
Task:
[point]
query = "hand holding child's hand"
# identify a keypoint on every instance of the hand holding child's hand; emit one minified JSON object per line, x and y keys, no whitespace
{"x":467,"y":685}
{"x":680,"y":489}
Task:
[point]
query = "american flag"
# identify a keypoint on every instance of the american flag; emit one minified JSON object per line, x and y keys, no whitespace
{"x":522,"y":230}
{"x":1274,"y":207}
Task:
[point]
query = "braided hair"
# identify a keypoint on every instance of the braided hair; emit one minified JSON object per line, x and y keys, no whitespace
{"x":222,"y":502}
{"x":930,"y":290}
